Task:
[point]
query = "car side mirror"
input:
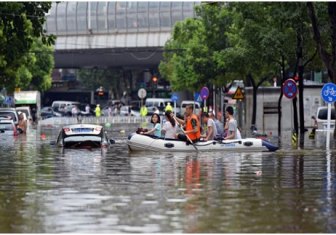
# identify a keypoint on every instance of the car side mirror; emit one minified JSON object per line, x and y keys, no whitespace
{"x":53,"y":142}
{"x":313,"y":117}
{"x":112,"y":141}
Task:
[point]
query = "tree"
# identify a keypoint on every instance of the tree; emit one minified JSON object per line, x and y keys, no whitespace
{"x":324,"y":34}
{"x":20,"y":24}
{"x":109,"y":79}
{"x":41,"y":70}
{"x":191,"y":54}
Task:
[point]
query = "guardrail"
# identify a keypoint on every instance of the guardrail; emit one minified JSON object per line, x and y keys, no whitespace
{"x":92,"y":120}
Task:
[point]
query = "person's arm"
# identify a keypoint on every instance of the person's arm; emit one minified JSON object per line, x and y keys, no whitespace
{"x":180,"y":121}
{"x":194,"y":125}
{"x":163,"y":130}
{"x":231,"y":136}
{"x":149,"y":132}
{"x":210,"y":131}
{"x":226,"y":124}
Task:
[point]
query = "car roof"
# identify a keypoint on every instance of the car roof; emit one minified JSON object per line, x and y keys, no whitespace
{"x":6,"y":120}
{"x":7,"y":109}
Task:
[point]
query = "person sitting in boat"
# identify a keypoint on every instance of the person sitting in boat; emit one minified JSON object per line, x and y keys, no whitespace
{"x":169,"y":127}
{"x":192,"y":128}
{"x":211,"y":127}
{"x":218,"y":124}
{"x":155,"y":119}
{"x":233,"y":131}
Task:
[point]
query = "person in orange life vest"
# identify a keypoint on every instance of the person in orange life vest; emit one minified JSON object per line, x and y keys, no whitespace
{"x":192,"y":128}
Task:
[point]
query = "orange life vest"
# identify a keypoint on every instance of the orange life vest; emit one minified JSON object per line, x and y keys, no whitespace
{"x":193,"y":136}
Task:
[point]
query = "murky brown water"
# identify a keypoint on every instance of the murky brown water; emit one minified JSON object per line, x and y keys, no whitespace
{"x":43,"y":190}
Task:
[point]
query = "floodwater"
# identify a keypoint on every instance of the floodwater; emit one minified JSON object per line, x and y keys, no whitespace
{"x":45,"y":190}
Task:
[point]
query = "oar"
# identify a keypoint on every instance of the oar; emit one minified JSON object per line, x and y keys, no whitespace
{"x":192,"y":143}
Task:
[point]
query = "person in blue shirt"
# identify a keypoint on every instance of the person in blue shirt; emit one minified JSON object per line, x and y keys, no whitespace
{"x":156,"y":131}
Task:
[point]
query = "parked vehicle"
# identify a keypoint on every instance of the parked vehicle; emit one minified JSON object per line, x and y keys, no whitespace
{"x":60,"y":105}
{"x":7,"y":127}
{"x":159,"y":103}
{"x":10,"y":112}
{"x":49,"y":112}
{"x":32,"y":99}
{"x":197,"y":109}
{"x":82,"y":136}
{"x":322,"y":118}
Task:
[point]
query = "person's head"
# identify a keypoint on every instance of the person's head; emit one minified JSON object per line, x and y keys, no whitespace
{"x":155,"y":118}
{"x":211,"y":115}
{"x":98,"y":105}
{"x":229,"y":110}
{"x":189,"y":109}
{"x":169,"y":117}
{"x":168,"y":103}
{"x":20,"y":115}
{"x":205,"y":117}
{"x":87,"y":105}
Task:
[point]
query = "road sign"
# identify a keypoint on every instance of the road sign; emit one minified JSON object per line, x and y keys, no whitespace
{"x":328,"y":93}
{"x":204,"y":93}
{"x":290,"y":88}
{"x":8,"y":100}
{"x":198,"y":97}
{"x":174,"y":97}
{"x":142,"y":93}
{"x":238,"y":95}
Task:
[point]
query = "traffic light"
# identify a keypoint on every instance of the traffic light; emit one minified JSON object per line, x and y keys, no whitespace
{"x":100,"y":95}
{"x":296,"y":78}
{"x":155,"y":80}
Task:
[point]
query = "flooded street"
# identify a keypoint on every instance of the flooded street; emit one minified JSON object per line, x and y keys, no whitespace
{"x":46,"y":190}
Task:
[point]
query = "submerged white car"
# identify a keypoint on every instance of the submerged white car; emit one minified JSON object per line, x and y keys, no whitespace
{"x":83,"y":136}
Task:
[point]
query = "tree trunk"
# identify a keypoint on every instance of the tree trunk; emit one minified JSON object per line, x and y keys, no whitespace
{"x":295,"y":116}
{"x":328,"y":59}
{"x":281,"y":93}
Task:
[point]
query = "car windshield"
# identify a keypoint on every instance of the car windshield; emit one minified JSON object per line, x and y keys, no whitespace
{"x":323,"y":114}
{"x":82,"y":141}
{"x":6,"y":127}
{"x":11,"y":114}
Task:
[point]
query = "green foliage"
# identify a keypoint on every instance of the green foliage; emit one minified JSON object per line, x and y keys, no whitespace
{"x":231,"y":40}
{"x":21,"y":23}
{"x":94,"y":78}
{"x":195,"y":44}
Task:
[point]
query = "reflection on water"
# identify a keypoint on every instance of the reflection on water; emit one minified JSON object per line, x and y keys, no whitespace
{"x":47,"y":190}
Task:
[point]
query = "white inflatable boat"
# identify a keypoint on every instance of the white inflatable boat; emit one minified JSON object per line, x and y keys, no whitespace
{"x":137,"y":142}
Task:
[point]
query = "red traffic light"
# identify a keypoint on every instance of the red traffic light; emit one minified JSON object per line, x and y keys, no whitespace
{"x":154,"y":79}
{"x":296,"y":78}
{"x":100,"y":93}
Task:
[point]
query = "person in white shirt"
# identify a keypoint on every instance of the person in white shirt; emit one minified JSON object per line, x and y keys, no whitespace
{"x":87,"y":110}
{"x":74,"y":111}
{"x":211,"y":127}
{"x":233,"y":131}
{"x":110,"y":110}
{"x":169,"y":127}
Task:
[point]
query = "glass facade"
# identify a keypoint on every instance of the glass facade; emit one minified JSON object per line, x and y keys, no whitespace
{"x":71,"y":18}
